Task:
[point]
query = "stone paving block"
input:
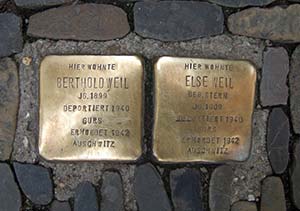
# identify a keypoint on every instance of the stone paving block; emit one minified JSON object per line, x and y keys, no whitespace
{"x":242,"y":3}
{"x":177,"y":20}
{"x":278,"y":138}
{"x":80,"y":22}
{"x":186,"y":189}
{"x":37,"y":4}
{"x":11,"y":40}
{"x":60,"y":206}
{"x":273,"y":86}
{"x":149,"y":189}
{"x":85,"y":198}
{"x":220,"y":188}
{"x":276,"y":23}
{"x":10,"y":196}
{"x":9,"y":103}
{"x":112,"y":192}
{"x":294,"y":82}
{"x":244,"y":206}
{"x":35,"y":182}
{"x":273,"y":198}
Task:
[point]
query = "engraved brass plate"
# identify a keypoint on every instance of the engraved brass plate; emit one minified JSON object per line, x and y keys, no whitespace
{"x":203,"y":109}
{"x":91,"y":107}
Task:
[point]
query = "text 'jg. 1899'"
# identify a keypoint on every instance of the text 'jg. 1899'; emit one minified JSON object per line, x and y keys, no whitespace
{"x":91,"y":107}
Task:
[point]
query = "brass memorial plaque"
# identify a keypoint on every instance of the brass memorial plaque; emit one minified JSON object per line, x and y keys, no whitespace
{"x":203,"y":109}
{"x":91,"y":107}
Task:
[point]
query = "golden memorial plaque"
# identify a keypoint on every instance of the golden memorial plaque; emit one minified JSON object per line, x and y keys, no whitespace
{"x":203,"y":109}
{"x":91,"y":108}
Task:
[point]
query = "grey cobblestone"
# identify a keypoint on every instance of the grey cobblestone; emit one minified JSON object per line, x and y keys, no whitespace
{"x":177,"y":20}
{"x":35,"y":182}
{"x":273,"y":86}
{"x":149,"y":189}
{"x":294,"y":82}
{"x":10,"y":34}
{"x":276,"y":23}
{"x":80,"y":22}
{"x":9,"y":103}
{"x":10,"y":195}
{"x":187,"y":191}
{"x":34,"y":4}
{"x":278,"y":138}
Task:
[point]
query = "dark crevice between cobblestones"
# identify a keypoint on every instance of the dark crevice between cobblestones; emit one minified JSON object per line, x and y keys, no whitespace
{"x":9,"y":6}
{"x":148,"y":109}
{"x":257,"y":102}
{"x":277,"y":3}
{"x":98,"y":191}
{"x":71,"y":202}
{"x":166,"y":180}
{"x":289,"y":47}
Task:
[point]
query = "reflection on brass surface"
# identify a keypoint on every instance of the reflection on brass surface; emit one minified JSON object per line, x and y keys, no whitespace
{"x":203,"y":109}
{"x":91,"y":107}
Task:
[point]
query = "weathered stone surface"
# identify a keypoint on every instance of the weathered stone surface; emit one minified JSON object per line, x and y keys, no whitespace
{"x":11,"y":40}
{"x":10,"y":196}
{"x":220,"y":188}
{"x":177,"y":20}
{"x":295,"y":175}
{"x":276,"y":23}
{"x":34,"y":4}
{"x":294,"y":81}
{"x":80,"y":22}
{"x":272,"y":198}
{"x":242,"y":3}
{"x":85,"y":198}
{"x":273,"y":87}
{"x":244,"y":206}
{"x":9,"y":100}
{"x":278,"y":140}
{"x":149,"y":189}
{"x":67,"y":176}
{"x":112,"y":192}
{"x":249,"y":174}
{"x":35,"y":182}
{"x":60,"y":206}
{"x":186,"y":190}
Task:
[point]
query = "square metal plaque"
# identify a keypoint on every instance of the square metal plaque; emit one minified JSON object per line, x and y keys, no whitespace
{"x":91,"y":107}
{"x":203,"y":109}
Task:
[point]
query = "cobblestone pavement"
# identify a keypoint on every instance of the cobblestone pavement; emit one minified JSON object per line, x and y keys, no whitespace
{"x":264,"y":32}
